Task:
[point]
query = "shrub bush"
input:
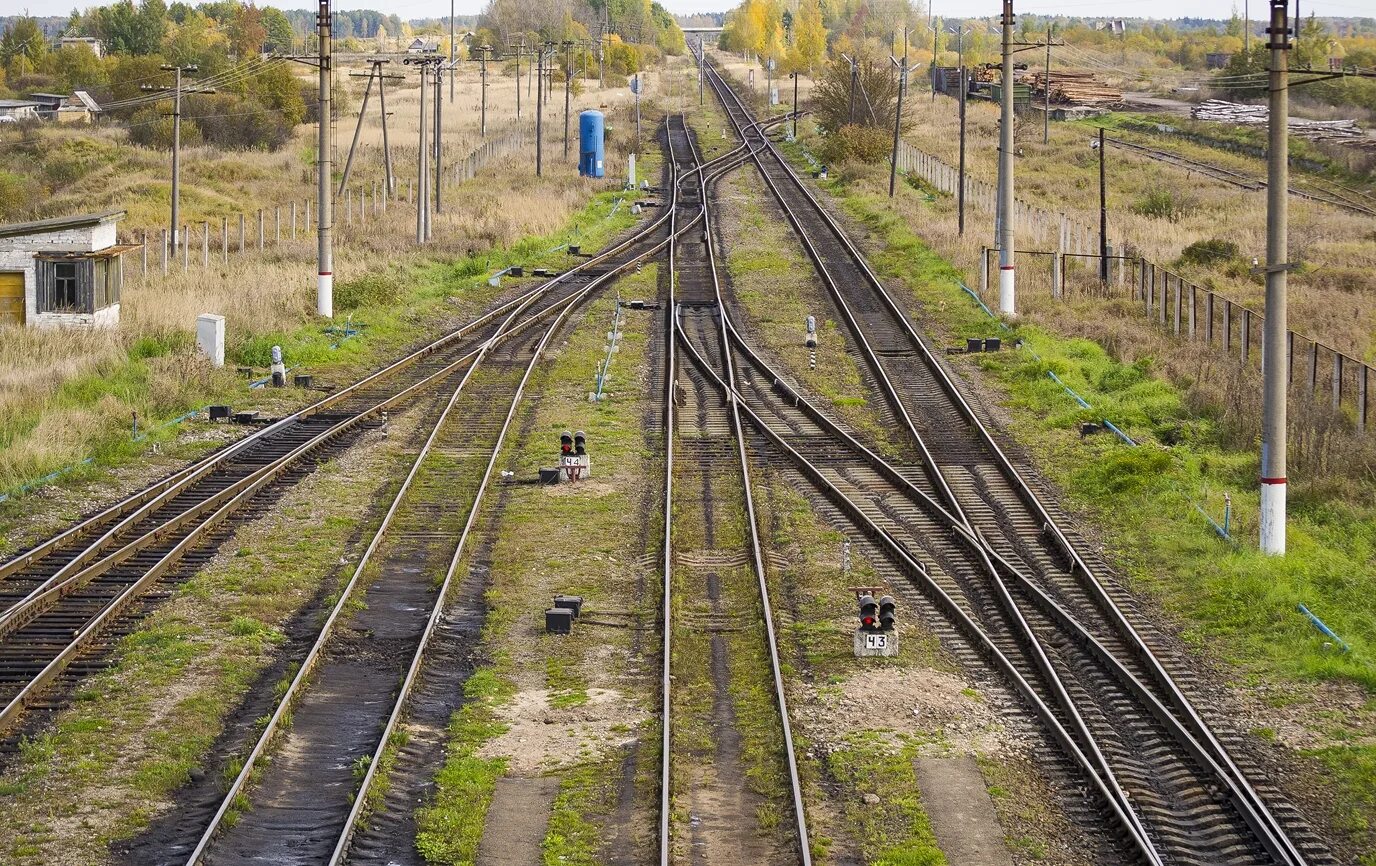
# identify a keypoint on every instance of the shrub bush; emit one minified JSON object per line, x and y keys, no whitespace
{"x":867,"y":144}
{"x":1163,"y":204}
{"x":1211,"y":252}
{"x":371,"y":289}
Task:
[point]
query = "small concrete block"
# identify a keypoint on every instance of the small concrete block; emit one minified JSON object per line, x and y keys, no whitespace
{"x":869,"y":644}
{"x":210,"y":337}
{"x":974,"y":344}
{"x":993,"y":344}
{"x":220,"y":413}
{"x":558,"y":620}
{"x":570,"y":602}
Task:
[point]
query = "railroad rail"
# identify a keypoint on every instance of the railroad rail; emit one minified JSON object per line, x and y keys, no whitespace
{"x":59,"y":598}
{"x":1150,"y":769}
{"x":1330,"y":194}
{"x":695,"y":293}
{"x":346,"y":689}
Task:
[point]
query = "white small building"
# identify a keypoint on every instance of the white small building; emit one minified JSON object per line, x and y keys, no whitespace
{"x":63,"y":272}
{"x":97,"y":47}
{"x":421,"y":45}
{"x":19,"y":109}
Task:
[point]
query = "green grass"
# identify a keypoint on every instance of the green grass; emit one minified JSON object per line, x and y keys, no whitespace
{"x":895,"y":831}
{"x":1229,"y":600}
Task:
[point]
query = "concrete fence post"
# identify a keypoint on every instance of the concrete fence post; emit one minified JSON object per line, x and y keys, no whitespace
{"x":1179,"y":291}
{"x":1194,"y":301}
{"x":277,"y":224}
{"x":983,"y":272}
{"x":1056,"y":271}
{"x":1227,"y":325}
{"x":1209,"y":318}
{"x":1362,"y":386}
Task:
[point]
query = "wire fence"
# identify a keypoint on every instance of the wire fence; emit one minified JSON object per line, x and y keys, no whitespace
{"x":1070,"y":266}
{"x":166,"y":251}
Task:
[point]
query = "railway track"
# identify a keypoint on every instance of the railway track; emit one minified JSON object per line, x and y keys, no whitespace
{"x":1326,"y":193}
{"x":1019,"y":588}
{"x":352,"y":687}
{"x":713,"y":465}
{"x":64,"y":600}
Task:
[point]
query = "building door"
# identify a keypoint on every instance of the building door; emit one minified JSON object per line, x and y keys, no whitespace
{"x":12,"y":298}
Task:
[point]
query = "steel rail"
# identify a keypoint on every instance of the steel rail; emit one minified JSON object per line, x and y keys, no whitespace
{"x":413,"y":671}
{"x":1252,"y":807}
{"x":506,"y":331}
{"x":756,"y":551}
{"x":1009,"y":605}
{"x":148,"y":499}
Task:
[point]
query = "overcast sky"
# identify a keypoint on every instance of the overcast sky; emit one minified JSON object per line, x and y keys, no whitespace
{"x":972,"y":8}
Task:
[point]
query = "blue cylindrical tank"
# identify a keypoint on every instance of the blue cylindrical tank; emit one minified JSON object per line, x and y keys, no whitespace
{"x":591,"y":135}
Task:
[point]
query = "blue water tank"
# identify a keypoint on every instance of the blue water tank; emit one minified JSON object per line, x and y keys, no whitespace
{"x":591,"y":132}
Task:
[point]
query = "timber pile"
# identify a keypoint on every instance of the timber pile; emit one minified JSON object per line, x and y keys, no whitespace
{"x":1223,"y":111}
{"x":1074,"y":88}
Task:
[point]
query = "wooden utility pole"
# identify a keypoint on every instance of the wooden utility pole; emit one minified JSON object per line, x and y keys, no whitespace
{"x":374,"y":71}
{"x":176,"y":90}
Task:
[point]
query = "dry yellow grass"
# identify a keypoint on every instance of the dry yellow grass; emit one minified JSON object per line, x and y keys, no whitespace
{"x":273,"y":291}
{"x":1333,"y":300}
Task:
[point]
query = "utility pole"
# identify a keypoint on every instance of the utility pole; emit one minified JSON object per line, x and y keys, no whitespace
{"x":423,"y":162}
{"x":519,"y":51}
{"x":482,"y":128}
{"x":539,"y":116}
{"x":1007,"y":291}
{"x":439,"y":135}
{"x":701,"y":55}
{"x":635,"y":88}
{"x":851,"y":110}
{"x":897,"y":119}
{"x":1103,"y":214}
{"x":935,"y":34}
{"x":1046,"y":113}
{"x":1273,"y":430}
{"x":176,"y":90}
{"x":452,"y":56}
{"x":391,"y":177}
{"x":795,"y":76}
{"x":568,"y":91}
{"x":1246,"y":30}
{"x":324,"y":285}
{"x":960,"y":193}
{"x":374,"y":71}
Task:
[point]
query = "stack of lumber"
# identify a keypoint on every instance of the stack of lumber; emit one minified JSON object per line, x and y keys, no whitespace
{"x":1074,"y":88}
{"x":1256,"y":115}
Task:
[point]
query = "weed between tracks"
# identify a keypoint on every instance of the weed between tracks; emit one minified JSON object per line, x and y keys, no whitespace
{"x":139,"y":730}
{"x":565,"y":705}
{"x":1229,"y":601}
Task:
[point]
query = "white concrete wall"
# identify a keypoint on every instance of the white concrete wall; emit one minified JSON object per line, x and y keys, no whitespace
{"x":12,"y":261}
{"x":82,"y":240}
{"x":17,"y":254}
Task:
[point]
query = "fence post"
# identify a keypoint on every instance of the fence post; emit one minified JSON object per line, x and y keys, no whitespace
{"x":1056,"y":274}
{"x":1361,"y":398}
{"x":1179,"y":291}
{"x":983,"y":272}
{"x":1165,"y":290}
{"x":1209,"y":318}
{"x":1194,"y":301}
{"x":1313,"y":367}
{"x":1227,"y":325}
{"x":1337,"y":380}
{"x":1246,"y":334}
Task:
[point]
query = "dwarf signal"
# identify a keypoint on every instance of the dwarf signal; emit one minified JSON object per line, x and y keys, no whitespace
{"x":876,"y":634}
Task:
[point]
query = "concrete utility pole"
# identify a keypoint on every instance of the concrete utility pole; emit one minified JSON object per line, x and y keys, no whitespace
{"x":423,"y":160}
{"x":701,"y":55}
{"x":482,"y":128}
{"x":452,"y":47}
{"x":897,"y":119}
{"x":324,"y":284}
{"x":795,"y":76}
{"x":1007,"y":292}
{"x":439,"y":136}
{"x":539,"y":117}
{"x":176,"y":90}
{"x":568,"y":91}
{"x":964,"y":86}
{"x":1273,"y":430}
{"x":850,"y":117}
{"x":1103,"y":213}
{"x":1046,"y":113}
{"x":520,"y":49}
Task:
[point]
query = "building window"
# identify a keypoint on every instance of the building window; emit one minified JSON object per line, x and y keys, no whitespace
{"x":64,"y":286}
